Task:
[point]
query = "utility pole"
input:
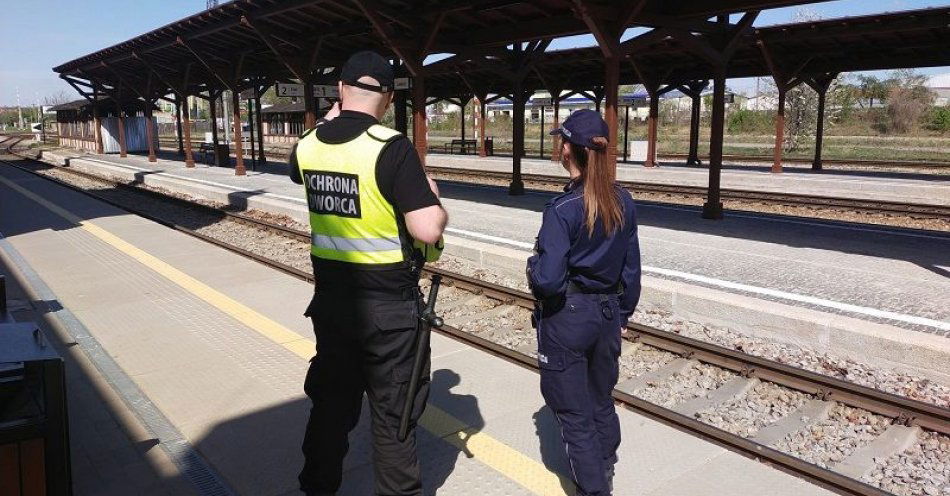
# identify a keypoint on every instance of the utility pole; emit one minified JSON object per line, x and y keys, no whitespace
{"x":19,"y":109}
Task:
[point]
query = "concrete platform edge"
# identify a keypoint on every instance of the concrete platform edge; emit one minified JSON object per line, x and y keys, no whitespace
{"x":869,"y":342}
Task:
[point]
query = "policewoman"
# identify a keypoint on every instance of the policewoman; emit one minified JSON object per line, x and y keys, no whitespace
{"x":585,"y":275}
{"x":375,"y":219}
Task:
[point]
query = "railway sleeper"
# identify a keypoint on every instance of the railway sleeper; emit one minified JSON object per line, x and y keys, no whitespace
{"x":811,"y":412}
{"x":733,"y":388}
{"x":658,"y":376}
{"x":896,"y":439}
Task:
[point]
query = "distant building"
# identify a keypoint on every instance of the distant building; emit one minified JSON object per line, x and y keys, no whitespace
{"x":940,"y":85}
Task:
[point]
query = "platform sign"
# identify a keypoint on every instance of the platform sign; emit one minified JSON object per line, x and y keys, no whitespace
{"x":402,"y":83}
{"x":326,"y":91}
{"x":248,"y":94}
{"x":285,"y":89}
{"x":634,"y":101}
{"x":541,"y":102}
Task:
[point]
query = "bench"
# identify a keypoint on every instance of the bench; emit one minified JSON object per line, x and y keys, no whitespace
{"x":206,"y":151}
{"x":463,"y":146}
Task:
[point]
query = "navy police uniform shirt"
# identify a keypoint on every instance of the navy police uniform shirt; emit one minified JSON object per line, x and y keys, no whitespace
{"x":564,"y":252}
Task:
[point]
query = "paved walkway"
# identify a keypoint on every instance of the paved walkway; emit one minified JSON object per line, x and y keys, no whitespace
{"x":211,"y":343}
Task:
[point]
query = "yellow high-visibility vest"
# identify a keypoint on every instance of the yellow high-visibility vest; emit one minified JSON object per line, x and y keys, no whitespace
{"x":350,"y":219}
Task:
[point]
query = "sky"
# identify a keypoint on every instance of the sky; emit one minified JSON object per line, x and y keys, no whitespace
{"x":40,"y":34}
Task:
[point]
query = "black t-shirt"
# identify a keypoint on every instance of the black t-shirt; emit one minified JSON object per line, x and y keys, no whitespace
{"x":401,"y":180}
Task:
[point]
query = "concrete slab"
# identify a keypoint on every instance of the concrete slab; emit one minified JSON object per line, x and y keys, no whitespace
{"x":811,"y":412}
{"x":737,"y":386}
{"x":896,"y":439}
{"x":657,"y":376}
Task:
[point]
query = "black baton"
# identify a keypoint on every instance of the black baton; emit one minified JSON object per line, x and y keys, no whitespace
{"x":427,"y":320}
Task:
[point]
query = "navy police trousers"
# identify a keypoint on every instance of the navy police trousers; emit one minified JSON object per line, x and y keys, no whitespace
{"x":578,"y":352}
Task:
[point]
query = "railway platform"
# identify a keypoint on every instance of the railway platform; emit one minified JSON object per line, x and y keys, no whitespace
{"x":870,"y":293}
{"x":855,"y":185}
{"x":208,"y":351}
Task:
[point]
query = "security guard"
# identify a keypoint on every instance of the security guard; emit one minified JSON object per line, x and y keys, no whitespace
{"x":585,"y":274}
{"x":375,"y":218}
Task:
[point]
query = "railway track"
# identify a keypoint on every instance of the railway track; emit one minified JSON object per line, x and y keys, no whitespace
{"x":493,"y":318}
{"x":547,"y":182}
{"x":932,"y":166}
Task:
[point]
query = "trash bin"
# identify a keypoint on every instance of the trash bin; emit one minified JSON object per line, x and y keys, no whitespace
{"x":222,"y":157}
{"x":34,"y":435}
{"x":489,"y":145}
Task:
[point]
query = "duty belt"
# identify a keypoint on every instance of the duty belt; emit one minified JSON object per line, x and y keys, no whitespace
{"x":404,"y":294}
{"x":574,"y":288}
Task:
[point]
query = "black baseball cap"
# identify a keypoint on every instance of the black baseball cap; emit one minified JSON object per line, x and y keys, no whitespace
{"x":582,"y":126}
{"x":368,"y":63}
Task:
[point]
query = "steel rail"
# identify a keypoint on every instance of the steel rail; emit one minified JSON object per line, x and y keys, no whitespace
{"x":862,"y":162}
{"x":904,"y":410}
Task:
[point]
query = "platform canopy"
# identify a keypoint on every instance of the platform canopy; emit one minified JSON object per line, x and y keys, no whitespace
{"x":244,"y":40}
{"x":500,"y":47}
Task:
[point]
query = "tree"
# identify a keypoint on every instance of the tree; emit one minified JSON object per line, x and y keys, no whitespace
{"x":871,"y":88}
{"x":907,"y":100}
{"x":57,"y":98}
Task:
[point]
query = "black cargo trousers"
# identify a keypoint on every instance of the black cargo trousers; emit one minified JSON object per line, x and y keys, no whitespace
{"x":364,"y":346}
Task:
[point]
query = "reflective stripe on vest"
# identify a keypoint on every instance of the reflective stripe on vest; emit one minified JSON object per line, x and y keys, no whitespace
{"x":354,"y":244}
{"x":350,"y":219}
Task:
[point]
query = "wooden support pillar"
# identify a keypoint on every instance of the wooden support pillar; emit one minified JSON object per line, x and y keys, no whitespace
{"x":779,"y":132}
{"x":819,"y":131}
{"x":541,"y":135}
{"x":251,"y":133}
{"x":626,"y":130}
{"x":820,"y":84}
{"x":462,"y":116}
{"x":694,"y":116}
{"x":123,"y":149}
{"x":260,"y":125}
{"x":694,"y":91}
{"x":400,"y":116}
{"x":517,"y":134}
{"x":239,"y":169}
{"x":181,"y":145}
{"x":186,"y":124}
{"x":419,"y":123}
{"x":97,"y":131}
{"x":213,"y":113}
{"x":712,"y":209}
{"x":652,"y":117}
{"x":309,"y":105}
{"x":784,"y":81}
{"x":150,"y":131}
{"x":480,"y":113}
{"x":611,"y":94}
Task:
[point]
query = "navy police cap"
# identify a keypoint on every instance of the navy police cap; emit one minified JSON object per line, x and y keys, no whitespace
{"x":582,"y":126}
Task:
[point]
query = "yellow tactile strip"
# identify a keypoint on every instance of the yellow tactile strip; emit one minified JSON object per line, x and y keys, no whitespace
{"x":511,"y":463}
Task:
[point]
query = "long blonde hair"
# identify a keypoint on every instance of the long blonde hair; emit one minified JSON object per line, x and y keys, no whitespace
{"x":600,"y":198}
